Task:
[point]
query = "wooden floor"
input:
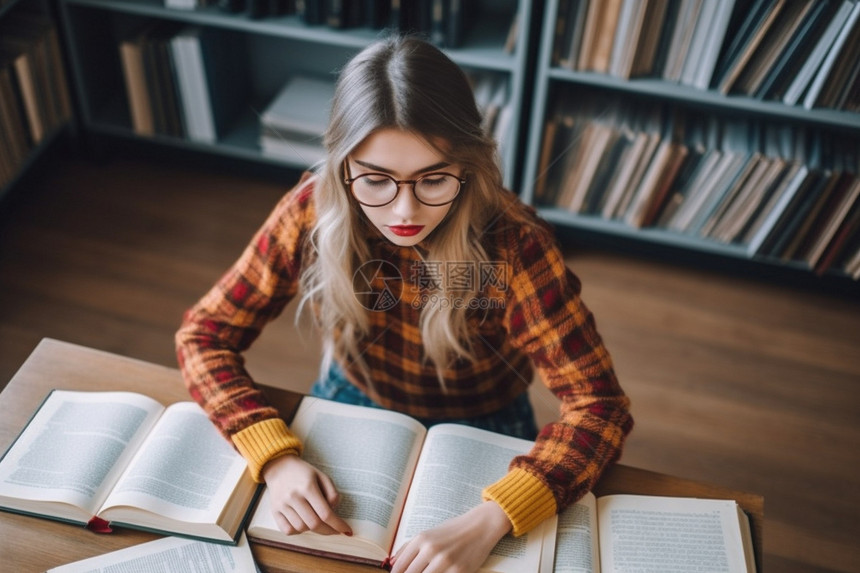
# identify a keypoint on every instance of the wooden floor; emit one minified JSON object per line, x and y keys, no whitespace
{"x":733,"y":381}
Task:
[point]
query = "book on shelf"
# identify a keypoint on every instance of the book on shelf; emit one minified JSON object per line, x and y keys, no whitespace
{"x":834,"y":216}
{"x":682,"y":33}
{"x":605,"y":171}
{"x":791,"y":195}
{"x":396,"y":479}
{"x":150,"y":80}
{"x":569,"y":32}
{"x":651,"y":194}
{"x":601,"y":21}
{"x":183,"y":81}
{"x":789,"y":229}
{"x":582,"y":164}
{"x":817,"y":52}
{"x":700,"y":28}
{"x":842,"y":53}
{"x":340,"y":14}
{"x":211,"y":80}
{"x":629,"y":162}
{"x":770,"y":198}
{"x":839,"y":90}
{"x":727,"y":193}
{"x":491,"y":93}
{"x":625,"y":36}
{"x":713,"y":27}
{"x":602,"y":24}
{"x":560,"y":132}
{"x":838,"y":250}
{"x":851,"y":265}
{"x":798,"y":47}
{"x":292,"y":125}
{"x":162,"y":80}
{"x":647,"y":41}
{"x":135,"y":81}
{"x":732,"y":170}
{"x":187,"y":4}
{"x":680,"y":187}
{"x":736,"y":213}
{"x":169,"y":554}
{"x":15,"y":141}
{"x":809,"y":221}
{"x":759,"y":22}
{"x":121,"y":459}
{"x":29,"y":49}
{"x":619,"y":202}
{"x":775,"y":41}
{"x":442,"y":22}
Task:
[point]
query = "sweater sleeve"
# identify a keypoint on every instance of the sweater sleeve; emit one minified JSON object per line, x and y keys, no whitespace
{"x":224,"y":323}
{"x":547,"y":319}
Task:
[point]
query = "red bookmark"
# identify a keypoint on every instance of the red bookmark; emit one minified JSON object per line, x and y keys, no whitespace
{"x":99,"y":525}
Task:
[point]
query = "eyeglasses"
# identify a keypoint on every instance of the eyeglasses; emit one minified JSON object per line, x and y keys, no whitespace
{"x":380,"y":189}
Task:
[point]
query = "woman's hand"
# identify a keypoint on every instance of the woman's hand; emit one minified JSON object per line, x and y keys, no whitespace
{"x":302,"y":497}
{"x":459,"y":545}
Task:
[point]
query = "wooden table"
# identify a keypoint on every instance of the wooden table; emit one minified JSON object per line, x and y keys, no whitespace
{"x":31,"y":544}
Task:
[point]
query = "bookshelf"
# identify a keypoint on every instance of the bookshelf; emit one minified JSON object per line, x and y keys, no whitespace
{"x":271,"y":50}
{"x":35,"y":104}
{"x":590,"y":104}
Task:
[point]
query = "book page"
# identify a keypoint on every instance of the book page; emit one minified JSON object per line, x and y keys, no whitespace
{"x":456,"y":464}
{"x":670,"y":535}
{"x":169,"y":554}
{"x":185,"y":470}
{"x":576,"y":547}
{"x":73,"y":450}
{"x":368,"y":453}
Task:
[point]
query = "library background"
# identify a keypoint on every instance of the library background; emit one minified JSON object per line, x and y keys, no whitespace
{"x":725,"y":131}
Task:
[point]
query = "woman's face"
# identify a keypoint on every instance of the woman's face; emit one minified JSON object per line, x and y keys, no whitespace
{"x":404,"y":156}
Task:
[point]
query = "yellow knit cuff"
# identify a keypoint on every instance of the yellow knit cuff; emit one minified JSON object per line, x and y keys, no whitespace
{"x":524,"y":498}
{"x":265,"y":441}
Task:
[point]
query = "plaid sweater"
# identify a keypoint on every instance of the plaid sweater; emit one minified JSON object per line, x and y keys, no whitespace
{"x":528,"y":314}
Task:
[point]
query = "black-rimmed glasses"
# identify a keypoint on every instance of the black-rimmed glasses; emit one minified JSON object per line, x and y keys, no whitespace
{"x":380,"y":189}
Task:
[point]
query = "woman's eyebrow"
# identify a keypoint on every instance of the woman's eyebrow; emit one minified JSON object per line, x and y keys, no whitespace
{"x":381,"y":169}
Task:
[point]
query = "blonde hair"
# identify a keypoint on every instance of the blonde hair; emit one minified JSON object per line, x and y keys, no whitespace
{"x":408,"y":84}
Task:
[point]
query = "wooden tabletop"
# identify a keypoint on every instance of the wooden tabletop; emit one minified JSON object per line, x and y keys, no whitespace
{"x":32,"y":544}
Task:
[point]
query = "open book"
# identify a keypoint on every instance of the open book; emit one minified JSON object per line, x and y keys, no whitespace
{"x":123,"y":458}
{"x":620,"y":533}
{"x":396,"y":479}
{"x":169,"y":554}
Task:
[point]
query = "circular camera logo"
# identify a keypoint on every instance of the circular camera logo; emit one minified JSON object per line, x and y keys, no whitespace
{"x":377,"y":285}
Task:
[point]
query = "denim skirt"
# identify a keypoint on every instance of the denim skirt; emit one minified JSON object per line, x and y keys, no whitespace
{"x":516,"y":419}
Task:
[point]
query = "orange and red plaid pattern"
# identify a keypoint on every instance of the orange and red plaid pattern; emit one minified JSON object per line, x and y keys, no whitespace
{"x":530,"y":315}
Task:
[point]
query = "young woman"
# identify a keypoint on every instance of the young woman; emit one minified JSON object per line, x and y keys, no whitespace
{"x":436,"y":293}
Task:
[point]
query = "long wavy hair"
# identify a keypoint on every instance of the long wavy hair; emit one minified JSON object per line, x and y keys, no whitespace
{"x":403,"y":83}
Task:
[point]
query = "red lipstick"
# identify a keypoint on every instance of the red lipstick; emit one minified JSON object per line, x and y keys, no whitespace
{"x":406,"y":230}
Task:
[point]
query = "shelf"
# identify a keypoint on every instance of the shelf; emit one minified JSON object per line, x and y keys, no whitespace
{"x":687,"y":94}
{"x":43,"y":102}
{"x":651,"y":234}
{"x":240,"y":141}
{"x":826,"y":140}
{"x":482,"y":45}
{"x":275,"y":49}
